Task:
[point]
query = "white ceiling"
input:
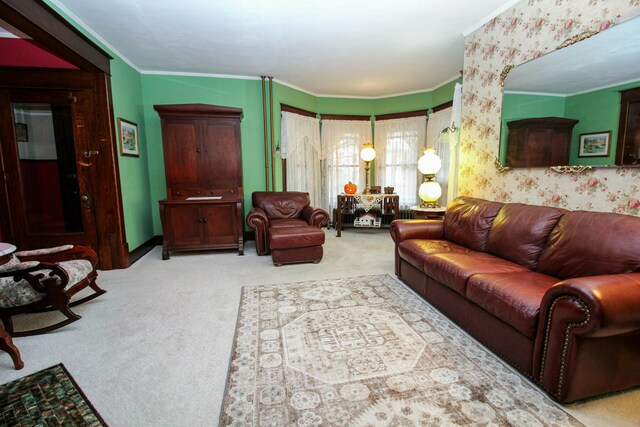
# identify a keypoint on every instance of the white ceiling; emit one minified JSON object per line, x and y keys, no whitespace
{"x":357,"y":48}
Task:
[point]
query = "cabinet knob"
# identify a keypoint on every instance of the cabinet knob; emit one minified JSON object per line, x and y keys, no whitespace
{"x":204,"y":219}
{"x":198,"y":150}
{"x":197,"y":192}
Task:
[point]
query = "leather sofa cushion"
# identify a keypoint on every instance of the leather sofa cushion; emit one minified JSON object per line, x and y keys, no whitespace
{"x":286,"y":223}
{"x":283,"y":204}
{"x":592,"y":244}
{"x":414,"y":251}
{"x":520,"y":232}
{"x":295,"y":237}
{"x":513,"y":298}
{"x":454,"y":269}
{"x":468,"y":221}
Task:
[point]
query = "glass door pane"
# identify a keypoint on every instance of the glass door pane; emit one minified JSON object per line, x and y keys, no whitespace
{"x":44,"y":134}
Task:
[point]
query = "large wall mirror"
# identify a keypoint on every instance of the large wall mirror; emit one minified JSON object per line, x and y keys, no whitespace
{"x":576,"y":105}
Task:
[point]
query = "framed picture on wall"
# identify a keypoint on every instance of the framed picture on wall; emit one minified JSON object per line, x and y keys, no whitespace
{"x":595,"y":144}
{"x":22,"y":134}
{"x":128,"y":138}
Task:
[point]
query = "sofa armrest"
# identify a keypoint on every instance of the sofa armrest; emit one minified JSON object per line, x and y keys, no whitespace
{"x":582,"y":321}
{"x":404,"y":229}
{"x":612,"y":302}
{"x":257,"y":219}
{"x":315,"y":216}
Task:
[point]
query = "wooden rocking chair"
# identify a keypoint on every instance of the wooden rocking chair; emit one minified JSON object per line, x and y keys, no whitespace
{"x":44,"y":280}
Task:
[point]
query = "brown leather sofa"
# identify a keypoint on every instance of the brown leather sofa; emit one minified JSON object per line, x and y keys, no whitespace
{"x":281,"y":209}
{"x":555,"y":293}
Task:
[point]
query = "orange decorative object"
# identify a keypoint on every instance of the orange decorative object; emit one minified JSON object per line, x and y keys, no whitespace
{"x":350,"y":188}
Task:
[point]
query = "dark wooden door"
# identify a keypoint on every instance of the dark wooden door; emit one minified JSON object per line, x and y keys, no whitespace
{"x":220,"y":141}
{"x":185,"y":223}
{"x":184,"y":153}
{"x":628,"y":148}
{"x":47,"y":175}
{"x":220,"y":224}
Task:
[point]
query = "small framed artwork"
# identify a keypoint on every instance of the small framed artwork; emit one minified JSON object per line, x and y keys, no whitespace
{"x":128,"y":138}
{"x":595,"y":144}
{"x":22,"y":134}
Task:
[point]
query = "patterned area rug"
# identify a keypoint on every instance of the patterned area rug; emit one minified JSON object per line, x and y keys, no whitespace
{"x":366,"y":351}
{"x":47,"y":398}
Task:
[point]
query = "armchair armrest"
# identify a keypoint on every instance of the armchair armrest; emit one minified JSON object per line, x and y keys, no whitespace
{"x":404,"y":229}
{"x":588,"y":321}
{"x":257,"y":219}
{"x":60,"y":253}
{"x":315,"y":216}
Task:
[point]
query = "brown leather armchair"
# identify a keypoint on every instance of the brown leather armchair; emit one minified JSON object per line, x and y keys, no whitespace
{"x":280,"y":209}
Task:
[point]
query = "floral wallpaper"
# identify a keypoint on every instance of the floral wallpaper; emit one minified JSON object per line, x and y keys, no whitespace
{"x":526,"y":31}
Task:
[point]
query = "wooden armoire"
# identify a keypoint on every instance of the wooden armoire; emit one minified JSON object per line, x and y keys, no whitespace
{"x":539,"y":141}
{"x":203,"y":168}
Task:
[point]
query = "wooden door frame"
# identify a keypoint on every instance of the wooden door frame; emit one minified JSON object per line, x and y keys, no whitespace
{"x":48,"y":28}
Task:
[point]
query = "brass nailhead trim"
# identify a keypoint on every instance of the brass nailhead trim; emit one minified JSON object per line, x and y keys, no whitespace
{"x":565,"y":345}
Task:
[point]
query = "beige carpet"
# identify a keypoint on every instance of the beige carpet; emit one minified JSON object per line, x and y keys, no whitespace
{"x":366,"y":351}
{"x":155,"y":349}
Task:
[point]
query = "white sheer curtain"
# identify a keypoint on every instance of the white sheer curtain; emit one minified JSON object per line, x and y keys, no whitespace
{"x":300,"y":146}
{"x":441,"y":137}
{"x":398,"y":144}
{"x":342,"y":141}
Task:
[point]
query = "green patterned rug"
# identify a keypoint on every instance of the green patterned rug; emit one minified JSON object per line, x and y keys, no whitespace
{"x":50,"y":397}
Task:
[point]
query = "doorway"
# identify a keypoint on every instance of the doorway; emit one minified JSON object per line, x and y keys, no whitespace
{"x":79,"y":84}
{"x":47,"y":179}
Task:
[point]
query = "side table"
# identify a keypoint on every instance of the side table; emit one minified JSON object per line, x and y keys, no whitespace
{"x":6,"y":343}
{"x":428,"y":213}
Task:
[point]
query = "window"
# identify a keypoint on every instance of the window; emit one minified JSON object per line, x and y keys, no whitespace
{"x":399,"y":144}
{"x":341,"y":144}
{"x":300,"y":137}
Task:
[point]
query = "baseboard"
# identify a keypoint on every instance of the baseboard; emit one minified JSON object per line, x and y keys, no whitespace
{"x":143,"y":249}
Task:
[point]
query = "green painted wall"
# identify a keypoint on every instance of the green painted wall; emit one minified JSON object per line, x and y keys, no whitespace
{"x":134,"y":171}
{"x":598,"y":111}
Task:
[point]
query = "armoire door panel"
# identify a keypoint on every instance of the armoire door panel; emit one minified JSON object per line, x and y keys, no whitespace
{"x":185,"y":154}
{"x":185,"y":224}
{"x":221,"y":150}
{"x":220,"y":225}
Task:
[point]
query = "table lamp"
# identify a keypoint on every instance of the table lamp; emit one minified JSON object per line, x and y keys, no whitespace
{"x":429,"y":164}
{"x":367,"y":154}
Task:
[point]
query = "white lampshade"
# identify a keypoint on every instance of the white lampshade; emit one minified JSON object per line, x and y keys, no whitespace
{"x":368,"y":153}
{"x":429,"y":191}
{"x":429,"y":163}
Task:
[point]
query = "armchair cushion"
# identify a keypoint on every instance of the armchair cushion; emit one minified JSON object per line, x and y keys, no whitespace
{"x":281,"y":205}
